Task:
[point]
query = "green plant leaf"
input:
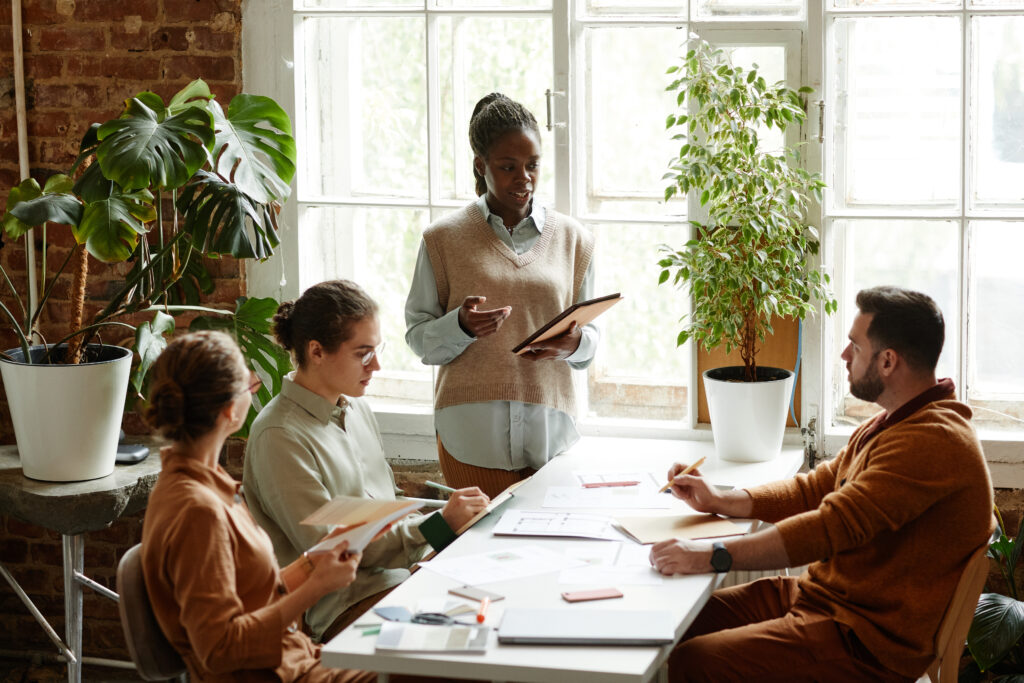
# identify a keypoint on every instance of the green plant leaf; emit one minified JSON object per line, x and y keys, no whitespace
{"x":998,"y":625}
{"x":150,"y":342}
{"x":250,"y":325}
{"x":187,"y":96}
{"x":24,"y":191}
{"x":65,"y":209}
{"x":224,"y":220}
{"x":255,"y":147}
{"x":110,"y":228}
{"x":142,"y":149}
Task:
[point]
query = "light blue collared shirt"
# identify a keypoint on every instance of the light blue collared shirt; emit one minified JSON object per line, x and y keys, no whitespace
{"x":506,"y":435}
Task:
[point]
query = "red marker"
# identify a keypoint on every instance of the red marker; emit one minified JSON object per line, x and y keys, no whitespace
{"x":601,"y":484}
{"x":481,"y":614}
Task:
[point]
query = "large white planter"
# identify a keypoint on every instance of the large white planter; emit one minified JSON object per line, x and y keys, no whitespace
{"x":67,"y":418}
{"x":748,"y":419}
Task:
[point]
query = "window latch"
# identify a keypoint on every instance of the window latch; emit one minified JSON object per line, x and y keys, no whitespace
{"x":549,"y":95}
{"x":821,"y":121}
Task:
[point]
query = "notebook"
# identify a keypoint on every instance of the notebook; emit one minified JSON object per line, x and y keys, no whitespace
{"x":574,"y":626}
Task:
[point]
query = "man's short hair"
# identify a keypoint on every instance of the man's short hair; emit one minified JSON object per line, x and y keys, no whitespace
{"x":906,"y":321}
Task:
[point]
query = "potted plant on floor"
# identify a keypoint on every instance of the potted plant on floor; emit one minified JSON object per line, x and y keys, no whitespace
{"x":996,"y":637}
{"x":162,"y":187}
{"x":750,"y":261}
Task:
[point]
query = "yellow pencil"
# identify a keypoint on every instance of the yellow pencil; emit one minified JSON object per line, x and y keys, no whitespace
{"x":689,"y":469}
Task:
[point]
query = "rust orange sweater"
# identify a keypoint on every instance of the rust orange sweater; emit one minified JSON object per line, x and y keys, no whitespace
{"x":889,"y":524}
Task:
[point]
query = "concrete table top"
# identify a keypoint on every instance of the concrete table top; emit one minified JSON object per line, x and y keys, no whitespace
{"x":75,"y":507}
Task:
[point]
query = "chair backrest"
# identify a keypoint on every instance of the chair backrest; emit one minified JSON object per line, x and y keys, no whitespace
{"x":153,"y":656}
{"x":949,"y":640}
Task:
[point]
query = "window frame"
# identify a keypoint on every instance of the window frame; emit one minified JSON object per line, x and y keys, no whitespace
{"x":268,"y":67}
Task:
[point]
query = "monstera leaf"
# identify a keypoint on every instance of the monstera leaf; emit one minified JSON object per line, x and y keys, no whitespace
{"x":28,"y":206}
{"x":25,"y":191}
{"x":147,"y":149}
{"x":150,"y":342}
{"x":110,"y":228}
{"x":188,"y":96}
{"x":250,"y":326}
{"x":224,"y":220}
{"x":258,"y":158}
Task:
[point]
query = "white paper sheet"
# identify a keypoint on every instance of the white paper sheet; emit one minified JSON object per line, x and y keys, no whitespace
{"x":562,"y":524}
{"x":501,"y":565}
{"x":612,"y":498}
{"x":611,"y":564}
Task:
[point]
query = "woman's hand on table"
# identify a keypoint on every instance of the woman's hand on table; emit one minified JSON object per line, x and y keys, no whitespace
{"x":463,"y":505}
{"x":477,"y":323}
{"x":556,"y":348}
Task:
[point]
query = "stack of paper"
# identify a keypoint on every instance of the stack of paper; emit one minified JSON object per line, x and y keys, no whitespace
{"x":401,"y":637}
{"x":363,"y":517}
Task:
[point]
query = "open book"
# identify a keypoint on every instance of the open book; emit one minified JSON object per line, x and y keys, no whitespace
{"x":364,"y":518}
{"x":581,"y":314}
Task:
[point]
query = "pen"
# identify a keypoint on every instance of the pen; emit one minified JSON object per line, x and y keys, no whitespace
{"x":689,"y":469}
{"x":481,"y":613}
{"x":439,"y":487}
{"x":600,"y":484}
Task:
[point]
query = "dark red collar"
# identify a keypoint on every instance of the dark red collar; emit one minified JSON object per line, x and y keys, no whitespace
{"x":943,"y":389}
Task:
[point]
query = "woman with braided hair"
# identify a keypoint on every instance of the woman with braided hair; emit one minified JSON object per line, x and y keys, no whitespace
{"x":486,"y":277}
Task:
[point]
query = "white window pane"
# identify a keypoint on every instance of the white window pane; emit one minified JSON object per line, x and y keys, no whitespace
{"x":1001,"y":4}
{"x":896,"y":98}
{"x":896,"y":4}
{"x":998,"y":139}
{"x":478,"y":55}
{"x":502,"y":4}
{"x":377,"y":248}
{"x":916,"y":254}
{"x":750,"y":9}
{"x":638,"y":371}
{"x":996,"y":367}
{"x":362,"y":4}
{"x":659,"y":7}
{"x":627,"y":147}
{"x":364,"y":107}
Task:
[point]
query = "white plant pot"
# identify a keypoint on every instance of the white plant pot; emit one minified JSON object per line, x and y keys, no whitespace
{"x":748,"y":419}
{"x":67,"y":418}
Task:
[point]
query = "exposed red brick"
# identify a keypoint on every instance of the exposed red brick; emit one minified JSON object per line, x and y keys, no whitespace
{"x":43,"y":66}
{"x":138,"y":68}
{"x":72,"y":96}
{"x":66,"y":38}
{"x":40,"y":12}
{"x":19,"y":528}
{"x":207,"y":68}
{"x":193,"y":10}
{"x":48,"y":123}
{"x":110,"y":12}
{"x":14,"y":551}
{"x":170,"y":38}
{"x":51,"y":554}
{"x":208,"y":40}
{"x":128,"y":36}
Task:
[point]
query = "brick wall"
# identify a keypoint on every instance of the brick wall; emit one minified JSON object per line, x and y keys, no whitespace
{"x":83,"y":58}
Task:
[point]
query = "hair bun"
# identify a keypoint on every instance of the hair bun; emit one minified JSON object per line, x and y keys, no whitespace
{"x":167,"y":406}
{"x":282,"y":324}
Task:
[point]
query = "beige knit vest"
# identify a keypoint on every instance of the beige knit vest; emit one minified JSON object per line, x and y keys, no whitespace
{"x":469,"y":260}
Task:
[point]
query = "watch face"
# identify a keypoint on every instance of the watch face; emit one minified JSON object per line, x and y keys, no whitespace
{"x":721,"y":560}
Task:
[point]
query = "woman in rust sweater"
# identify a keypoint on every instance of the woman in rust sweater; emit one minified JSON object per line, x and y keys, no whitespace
{"x":217,"y":592}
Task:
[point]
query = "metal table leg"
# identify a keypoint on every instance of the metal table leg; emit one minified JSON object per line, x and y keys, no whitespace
{"x":74,"y":563}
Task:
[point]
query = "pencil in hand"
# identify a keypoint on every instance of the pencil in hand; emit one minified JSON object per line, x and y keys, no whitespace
{"x":689,"y":469}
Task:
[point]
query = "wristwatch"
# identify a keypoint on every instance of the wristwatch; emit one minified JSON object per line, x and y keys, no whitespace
{"x":721,"y":560}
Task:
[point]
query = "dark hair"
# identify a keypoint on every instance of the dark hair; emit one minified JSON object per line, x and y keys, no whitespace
{"x":908,"y":322}
{"x":493,"y":116}
{"x":192,"y":380}
{"x":324,"y":313}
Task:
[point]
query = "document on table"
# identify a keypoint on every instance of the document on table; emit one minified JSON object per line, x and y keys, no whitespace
{"x":563,"y":524}
{"x":593,"y":478}
{"x":611,"y":564}
{"x":651,"y":529}
{"x":501,"y":565}
{"x":402,"y":637}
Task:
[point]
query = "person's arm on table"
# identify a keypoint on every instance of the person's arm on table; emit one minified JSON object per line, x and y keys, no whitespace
{"x":761,"y":550}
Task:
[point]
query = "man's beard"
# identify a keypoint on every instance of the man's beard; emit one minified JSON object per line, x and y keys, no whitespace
{"x":870,"y":386}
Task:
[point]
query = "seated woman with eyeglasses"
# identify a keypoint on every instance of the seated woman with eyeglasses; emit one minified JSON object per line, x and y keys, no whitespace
{"x":318,"y":440}
{"x":210,"y":572}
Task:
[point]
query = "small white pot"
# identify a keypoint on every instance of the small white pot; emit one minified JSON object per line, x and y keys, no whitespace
{"x":748,"y":419}
{"x":67,"y":418}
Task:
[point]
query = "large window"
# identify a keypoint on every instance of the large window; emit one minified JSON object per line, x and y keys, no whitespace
{"x":921,"y":145}
{"x":926,"y":181}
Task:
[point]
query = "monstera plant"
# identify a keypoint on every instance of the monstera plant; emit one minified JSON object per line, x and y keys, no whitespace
{"x":163,"y":187}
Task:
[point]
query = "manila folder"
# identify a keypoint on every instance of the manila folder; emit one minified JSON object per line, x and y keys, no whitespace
{"x":655,"y":528}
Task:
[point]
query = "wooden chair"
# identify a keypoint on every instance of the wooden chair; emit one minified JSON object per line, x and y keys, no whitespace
{"x":952,"y":633}
{"x":153,"y":656}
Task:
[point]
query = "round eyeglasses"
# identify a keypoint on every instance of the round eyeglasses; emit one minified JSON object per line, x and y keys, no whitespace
{"x":369,"y":355}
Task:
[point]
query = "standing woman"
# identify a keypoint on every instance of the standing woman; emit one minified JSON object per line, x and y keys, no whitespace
{"x":210,"y":572}
{"x":486,"y":277}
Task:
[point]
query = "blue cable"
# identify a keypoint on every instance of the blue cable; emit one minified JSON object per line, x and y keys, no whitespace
{"x":796,"y":370}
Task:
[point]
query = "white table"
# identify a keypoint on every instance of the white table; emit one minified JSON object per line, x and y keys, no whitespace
{"x":683,"y":596}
